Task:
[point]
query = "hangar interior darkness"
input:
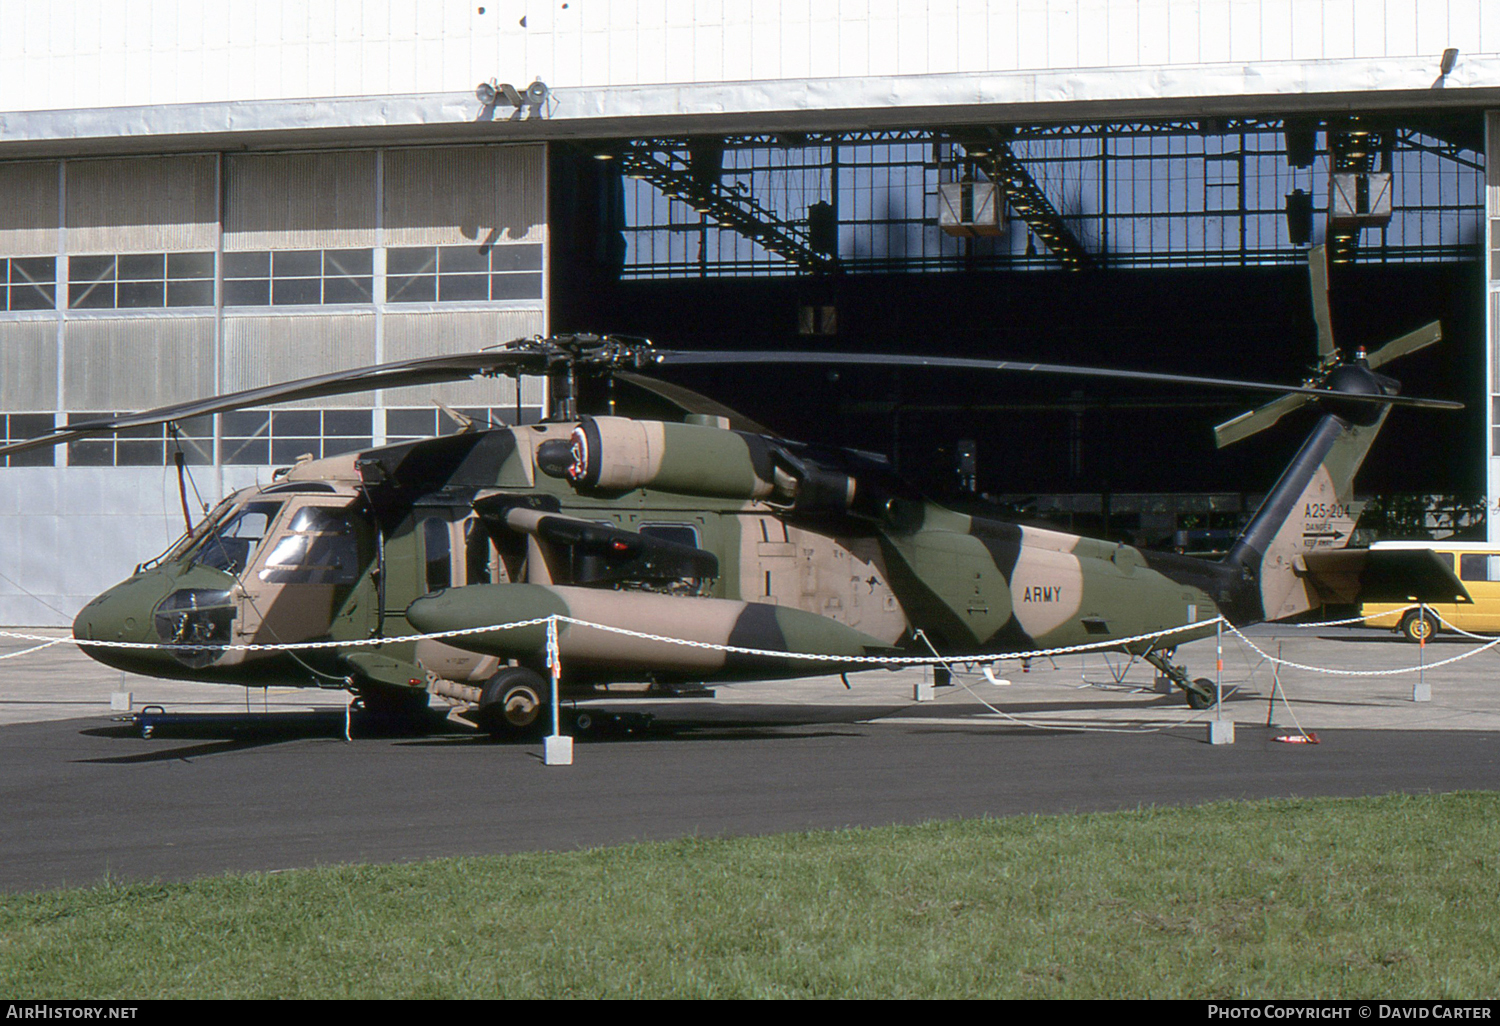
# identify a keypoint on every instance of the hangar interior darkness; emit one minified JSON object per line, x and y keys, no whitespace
{"x":1174,"y":246}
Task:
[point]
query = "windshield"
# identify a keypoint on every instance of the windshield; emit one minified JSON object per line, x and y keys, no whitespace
{"x":230,"y":545}
{"x":186,"y":541}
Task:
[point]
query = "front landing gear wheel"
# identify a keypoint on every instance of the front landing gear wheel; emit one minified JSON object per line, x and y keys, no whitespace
{"x":1200,"y":695}
{"x":1418,"y":628}
{"x":515,"y":703}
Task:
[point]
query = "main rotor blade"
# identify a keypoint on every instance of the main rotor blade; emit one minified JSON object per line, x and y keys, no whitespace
{"x":1317,"y":273}
{"x":1423,"y":337}
{"x":683,"y":358}
{"x":423,"y":371}
{"x":1248,"y":423}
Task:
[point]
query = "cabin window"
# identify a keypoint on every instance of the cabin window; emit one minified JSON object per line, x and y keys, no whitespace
{"x":437,"y":551}
{"x":478,"y":553}
{"x":319,"y":546}
{"x":230,"y":546}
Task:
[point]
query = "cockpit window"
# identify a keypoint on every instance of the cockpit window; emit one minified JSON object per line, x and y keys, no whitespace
{"x":199,"y":531}
{"x":230,"y":545}
{"x":318,"y":546}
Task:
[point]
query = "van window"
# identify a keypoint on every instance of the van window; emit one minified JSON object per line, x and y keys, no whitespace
{"x":1478,"y":566}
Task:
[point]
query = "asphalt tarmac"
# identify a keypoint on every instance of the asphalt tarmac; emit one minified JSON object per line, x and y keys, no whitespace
{"x":84,"y":795}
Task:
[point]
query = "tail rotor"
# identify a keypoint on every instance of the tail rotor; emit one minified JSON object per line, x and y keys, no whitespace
{"x":1330,"y":361}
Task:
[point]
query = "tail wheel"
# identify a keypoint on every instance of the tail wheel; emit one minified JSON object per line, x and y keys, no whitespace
{"x":1200,"y":695}
{"x":516,"y":702}
{"x":1417,"y":627}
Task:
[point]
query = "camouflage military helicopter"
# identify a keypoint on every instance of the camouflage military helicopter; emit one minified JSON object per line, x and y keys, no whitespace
{"x":704,"y":528}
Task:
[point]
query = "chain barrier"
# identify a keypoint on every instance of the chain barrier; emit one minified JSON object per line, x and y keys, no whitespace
{"x":34,"y":648}
{"x":1419,"y":668}
{"x":1457,"y":630}
{"x":874,"y":661}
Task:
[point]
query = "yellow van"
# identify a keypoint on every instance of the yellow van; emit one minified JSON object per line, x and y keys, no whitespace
{"x":1478,"y":567}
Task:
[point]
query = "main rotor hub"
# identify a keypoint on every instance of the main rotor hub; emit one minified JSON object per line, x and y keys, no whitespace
{"x":1357,"y":378}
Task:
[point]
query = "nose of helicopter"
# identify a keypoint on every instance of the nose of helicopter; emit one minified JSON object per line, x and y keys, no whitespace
{"x":123,"y":614}
{"x":152,"y":608}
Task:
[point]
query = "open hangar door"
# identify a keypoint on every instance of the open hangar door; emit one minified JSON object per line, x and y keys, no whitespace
{"x":1174,"y":246}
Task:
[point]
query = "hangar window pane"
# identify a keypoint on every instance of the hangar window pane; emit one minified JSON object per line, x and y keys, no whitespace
{"x":308,"y":277}
{"x":410,"y":425}
{"x":152,"y":446}
{"x":190,"y":265}
{"x":140,"y":280}
{"x":1204,"y":192}
{"x":255,"y":437}
{"x":515,"y":286}
{"x":28,"y":283}
{"x":464,"y":274}
{"x":190,"y":293}
{"x":247,"y":292}
{"x":296,"y":291}
{"x":18,"y":427}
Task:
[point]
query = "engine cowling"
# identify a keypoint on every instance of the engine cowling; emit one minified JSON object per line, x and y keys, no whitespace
{"x":619,"y":454}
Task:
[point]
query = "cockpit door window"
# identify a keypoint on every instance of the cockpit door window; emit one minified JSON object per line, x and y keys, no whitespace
{"x":318,"y":546}
{"x":310,"y":575}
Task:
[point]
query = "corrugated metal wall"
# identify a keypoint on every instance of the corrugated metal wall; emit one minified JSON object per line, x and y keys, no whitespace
{"x":142,"y":204}
{"x":411,"y":335}
{"x":28,"y":366}
{"x":503,"y":198}
{"x":28,"y":208}
{"x":264,"y":350}
{"x":135,"y":363}
{"x":84,"y":54}
{"x":300,"y":201}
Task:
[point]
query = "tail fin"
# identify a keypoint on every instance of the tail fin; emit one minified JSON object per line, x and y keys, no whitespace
{"x":1307,"y":510}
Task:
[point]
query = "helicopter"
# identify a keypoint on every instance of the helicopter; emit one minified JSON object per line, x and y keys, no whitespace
{"x":705,"y":528}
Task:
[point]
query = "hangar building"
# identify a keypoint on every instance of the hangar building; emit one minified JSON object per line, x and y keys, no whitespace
{"x":199,"y":198}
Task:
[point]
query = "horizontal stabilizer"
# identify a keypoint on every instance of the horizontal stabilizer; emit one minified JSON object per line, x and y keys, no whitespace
{"x":1350,"y":576}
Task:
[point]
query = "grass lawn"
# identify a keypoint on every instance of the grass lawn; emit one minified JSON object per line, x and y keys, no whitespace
{"x":1369,"y":897}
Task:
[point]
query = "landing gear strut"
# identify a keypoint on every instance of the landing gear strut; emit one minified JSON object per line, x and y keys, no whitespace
{"x":1199,"y":693}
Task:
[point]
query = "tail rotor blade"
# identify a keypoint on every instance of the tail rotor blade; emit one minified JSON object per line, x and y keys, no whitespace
{"x":1317,"y":272}
{"x":1247,"y":424}
{"x":1408,"y":343}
